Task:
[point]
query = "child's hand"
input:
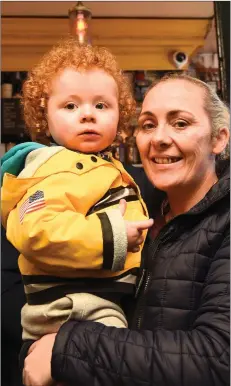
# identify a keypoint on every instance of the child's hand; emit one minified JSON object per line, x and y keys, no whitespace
{"x":134,"y":229}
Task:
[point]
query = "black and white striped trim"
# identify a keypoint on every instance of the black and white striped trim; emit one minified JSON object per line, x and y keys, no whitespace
{"x":113,"y":197}
{"x":114,"y":240}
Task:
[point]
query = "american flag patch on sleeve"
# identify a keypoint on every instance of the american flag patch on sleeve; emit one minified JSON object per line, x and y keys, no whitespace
{"x":35,"y":202}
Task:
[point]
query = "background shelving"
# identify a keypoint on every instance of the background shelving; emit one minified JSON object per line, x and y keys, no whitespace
{"x":13,"y":126}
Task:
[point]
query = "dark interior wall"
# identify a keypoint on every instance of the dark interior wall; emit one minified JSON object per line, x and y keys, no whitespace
{"x":222,"y":17}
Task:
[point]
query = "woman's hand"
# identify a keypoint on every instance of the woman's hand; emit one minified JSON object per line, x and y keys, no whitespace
{"x":37,"y":365}
{"x":134,"y":229}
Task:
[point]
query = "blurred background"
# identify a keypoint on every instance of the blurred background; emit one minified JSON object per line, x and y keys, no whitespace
{"x":149,"y":38}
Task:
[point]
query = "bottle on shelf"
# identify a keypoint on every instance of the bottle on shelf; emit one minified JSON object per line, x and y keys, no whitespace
{"x":141,"y":85}
{"x":118,"y":149}
{"x":2,"y":149}
{"x":7,"y":86}
{"x":132,"y":152}
{"x":9,"y":145}
{"x":17,"y":88}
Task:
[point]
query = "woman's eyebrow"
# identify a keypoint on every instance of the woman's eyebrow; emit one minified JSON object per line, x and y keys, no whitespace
{"x":177,"y":112}
{"x":146,"y":113}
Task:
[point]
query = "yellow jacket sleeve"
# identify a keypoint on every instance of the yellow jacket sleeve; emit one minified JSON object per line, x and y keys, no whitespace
{"x":59,"y":234}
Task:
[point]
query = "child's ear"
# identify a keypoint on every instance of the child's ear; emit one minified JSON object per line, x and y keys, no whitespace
{"x":220,"y":141}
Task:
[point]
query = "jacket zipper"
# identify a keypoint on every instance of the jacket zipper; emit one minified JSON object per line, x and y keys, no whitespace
{"x":147,"y":281}
{"x":159,"y":239}
{"x":140,"y":282}
{"x":140,"y":315}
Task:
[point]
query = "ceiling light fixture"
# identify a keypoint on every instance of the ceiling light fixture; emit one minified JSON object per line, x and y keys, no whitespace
{"x":79,"y":17}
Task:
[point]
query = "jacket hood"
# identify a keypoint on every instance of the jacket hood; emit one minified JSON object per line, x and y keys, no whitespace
{"x":13,"y":162}
{"x":219,"y":190}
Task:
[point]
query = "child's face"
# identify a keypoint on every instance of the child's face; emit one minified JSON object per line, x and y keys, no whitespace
{"x":83,"y":111}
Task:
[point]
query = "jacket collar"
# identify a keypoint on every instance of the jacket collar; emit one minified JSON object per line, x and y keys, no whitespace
{"x":105,"y":154}
{"x":216,"y":193}
{"x":218,"y":190}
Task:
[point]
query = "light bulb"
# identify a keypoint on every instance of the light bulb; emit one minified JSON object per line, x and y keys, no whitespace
{"x":81,"y":24}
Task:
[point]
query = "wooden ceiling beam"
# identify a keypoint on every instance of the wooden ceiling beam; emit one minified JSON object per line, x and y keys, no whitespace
{"x":137,"y":43}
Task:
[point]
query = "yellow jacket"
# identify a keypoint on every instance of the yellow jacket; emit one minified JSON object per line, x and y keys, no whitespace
{"x":59,"y":212}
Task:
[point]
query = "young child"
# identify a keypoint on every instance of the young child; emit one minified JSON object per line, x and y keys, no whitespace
{"x":79,"y":243}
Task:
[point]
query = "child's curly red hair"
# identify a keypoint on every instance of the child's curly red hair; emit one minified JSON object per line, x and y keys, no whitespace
{"x":68,"y":53}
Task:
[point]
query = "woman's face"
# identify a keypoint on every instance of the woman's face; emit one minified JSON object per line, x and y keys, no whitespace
{"x":174,"y":138}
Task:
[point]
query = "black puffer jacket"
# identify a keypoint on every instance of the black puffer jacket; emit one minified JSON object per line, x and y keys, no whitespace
{"x":180,"y":335}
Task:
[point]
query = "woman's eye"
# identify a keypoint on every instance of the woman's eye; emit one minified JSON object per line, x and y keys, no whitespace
{"x":147,"y":126}
{"x":70,"y":106}
{"x":100,"y":105}
{"x":180,"y":124}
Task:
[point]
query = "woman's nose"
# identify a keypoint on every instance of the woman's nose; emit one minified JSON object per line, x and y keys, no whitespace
{"x":87,"y":114}
{"x":161,"y":137}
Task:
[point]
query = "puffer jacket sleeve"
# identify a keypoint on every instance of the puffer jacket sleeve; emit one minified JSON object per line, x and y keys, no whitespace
{"x":87,"y":353}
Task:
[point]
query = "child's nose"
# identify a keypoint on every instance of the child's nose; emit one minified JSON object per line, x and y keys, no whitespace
{"x":87,"y":114}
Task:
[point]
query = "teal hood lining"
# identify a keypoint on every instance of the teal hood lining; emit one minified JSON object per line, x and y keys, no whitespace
{"x":13,"y":161}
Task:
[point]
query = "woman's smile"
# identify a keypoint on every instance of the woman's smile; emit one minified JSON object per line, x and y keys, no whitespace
{"x":166,"y":160}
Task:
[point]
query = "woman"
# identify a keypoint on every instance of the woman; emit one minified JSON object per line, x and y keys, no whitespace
{"x":180,"y":329}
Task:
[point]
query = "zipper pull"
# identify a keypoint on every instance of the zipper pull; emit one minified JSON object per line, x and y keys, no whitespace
{"x":140,"y":282}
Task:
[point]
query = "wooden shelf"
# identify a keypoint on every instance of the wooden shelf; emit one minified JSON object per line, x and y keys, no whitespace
{"x":139,"y":44}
